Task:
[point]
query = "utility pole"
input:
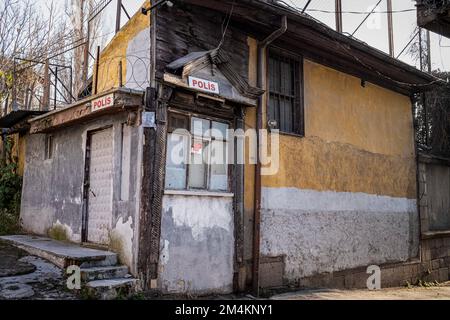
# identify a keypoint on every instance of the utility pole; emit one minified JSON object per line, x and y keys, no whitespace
{"x":338,"y":16}
{"x":118,"y":14}
{"x":429,"y":51}
{"x":46,"y":95}
{"x":86,"y":54}
{"x":390,"y":28}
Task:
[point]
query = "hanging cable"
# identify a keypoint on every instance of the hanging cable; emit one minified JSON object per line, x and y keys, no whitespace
{"x":407,"y":45}
{"x":225,"y":26}
{"x":367,"y":17}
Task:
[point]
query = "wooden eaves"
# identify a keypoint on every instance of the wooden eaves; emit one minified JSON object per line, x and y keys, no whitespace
{"x":81,"y":111}
{"x":319,"y":43}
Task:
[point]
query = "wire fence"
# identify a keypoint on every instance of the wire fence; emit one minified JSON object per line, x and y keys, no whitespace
{"x":130,"y":71}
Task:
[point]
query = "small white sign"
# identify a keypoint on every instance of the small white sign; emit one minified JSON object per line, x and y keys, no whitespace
{"x":102,"y":103}
{"x":149,"y":120}
{"x":204,"y":85}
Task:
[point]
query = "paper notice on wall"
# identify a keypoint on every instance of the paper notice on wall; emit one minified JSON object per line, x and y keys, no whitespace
{"x":149,"y":119}
{"x":197,"y":148}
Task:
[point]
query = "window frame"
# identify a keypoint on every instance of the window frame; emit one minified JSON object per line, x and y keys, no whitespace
{"x":189,"y":116}
{"x":298,"y":112}
{"x":48,"y":147}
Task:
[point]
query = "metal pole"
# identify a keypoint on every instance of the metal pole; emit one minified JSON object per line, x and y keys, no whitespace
{"x":429,"y":51}
{"x":14,"y":88}
{"x":118,"y":14}
{"x":71,"y":85}
{"x":46,"y":96}
{"x":86,"y":56}
{"x":420,"y":49}
{"x":390,"y":28}
{"x":97,"y":67}
{"x":306,"y":6}
{"x":56,"y":88}
{"x":339,"y":16}
{"x":120,"y":75}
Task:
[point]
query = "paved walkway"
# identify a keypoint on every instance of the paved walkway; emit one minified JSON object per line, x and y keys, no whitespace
{"x":23,"y":276}
{"x":59,"y":253}
{"x":441,"y":292}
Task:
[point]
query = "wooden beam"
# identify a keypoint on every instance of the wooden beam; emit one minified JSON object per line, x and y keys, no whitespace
{"x":82,"y":111}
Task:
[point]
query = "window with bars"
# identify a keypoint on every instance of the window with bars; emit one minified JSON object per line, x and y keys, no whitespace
{"x":197,"y":154}
{"x":285,"y":106}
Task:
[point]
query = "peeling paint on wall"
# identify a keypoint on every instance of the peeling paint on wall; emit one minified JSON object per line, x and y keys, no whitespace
{"x":331,"y":231}
{"x":197,"y":245}
{"x":53,"y":189}
{"x":122,"y":240}
{"x":130,"y":47}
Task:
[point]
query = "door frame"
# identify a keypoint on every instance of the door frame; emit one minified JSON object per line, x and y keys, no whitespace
{"x":86,"y":181}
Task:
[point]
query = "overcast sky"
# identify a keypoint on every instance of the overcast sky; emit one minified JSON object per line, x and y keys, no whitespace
{"x":373,"y":32}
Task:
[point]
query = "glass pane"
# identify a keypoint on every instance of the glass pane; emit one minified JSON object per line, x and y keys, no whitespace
{"x":200,"y":127}
{"x":274,"y":75}
{"x":273,"y":109}
{"x":219,"y":130}
{"x":219,"y":166}
{"x":286,"y":115}
{"x":198,"y":165}
{"x":177,"y":146}
{"x":286,"y":74}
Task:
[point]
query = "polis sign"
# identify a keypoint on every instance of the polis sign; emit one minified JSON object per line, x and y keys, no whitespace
{"x":102,"y":103}
{"x":204,"y":85}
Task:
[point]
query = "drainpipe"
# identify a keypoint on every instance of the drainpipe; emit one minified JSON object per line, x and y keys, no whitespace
{"x":259,"y":118}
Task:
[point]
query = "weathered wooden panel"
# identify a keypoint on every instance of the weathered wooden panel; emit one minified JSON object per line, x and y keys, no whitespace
{"x":438,"y":196}
{"x":184,"y":29}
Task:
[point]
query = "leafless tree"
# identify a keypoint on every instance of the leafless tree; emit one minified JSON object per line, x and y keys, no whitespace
{"x":79,"y":12}
{"x":27,"y":33}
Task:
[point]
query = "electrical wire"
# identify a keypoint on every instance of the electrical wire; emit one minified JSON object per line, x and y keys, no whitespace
{"x":367,"y":17}
{"x":225,"y":27}
{"x":408,"y":44}
{"x":292,"y":5}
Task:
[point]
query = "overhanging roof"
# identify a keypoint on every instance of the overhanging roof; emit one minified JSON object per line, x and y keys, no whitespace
{"x":213,"y":65}
{"x":122,"y":99}
{"x":15,"y":117}
{"x":434,"y":19}
{"x":319,"y":43}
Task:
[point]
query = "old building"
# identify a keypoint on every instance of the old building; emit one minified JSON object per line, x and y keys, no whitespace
{"x":340,"y":195}
{"x":434,"y":15}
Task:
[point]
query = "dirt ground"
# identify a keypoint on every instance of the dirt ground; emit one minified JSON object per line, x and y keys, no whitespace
{"x":440,"y":292}
{"x":27,"y":277}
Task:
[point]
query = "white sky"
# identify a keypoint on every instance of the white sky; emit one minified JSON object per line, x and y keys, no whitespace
{"x":373,"y":32}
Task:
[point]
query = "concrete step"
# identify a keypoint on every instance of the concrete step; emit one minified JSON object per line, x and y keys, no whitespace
{"x":62,"y":254}
{"x":111,"y":289}
{"x":103,"y":273}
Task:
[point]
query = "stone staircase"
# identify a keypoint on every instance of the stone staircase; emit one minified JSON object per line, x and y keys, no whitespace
{"x":101,"y":276}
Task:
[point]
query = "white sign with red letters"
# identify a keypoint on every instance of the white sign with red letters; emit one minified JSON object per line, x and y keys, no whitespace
{"x":103,"y":102}
{"x":204,"y":85}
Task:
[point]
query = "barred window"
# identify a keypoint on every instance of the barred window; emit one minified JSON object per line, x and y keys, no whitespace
{"x":285,"y":106}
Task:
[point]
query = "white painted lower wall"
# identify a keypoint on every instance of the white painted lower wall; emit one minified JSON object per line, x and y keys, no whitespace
{"x":197,"y":244}
{"x":325,"y":231}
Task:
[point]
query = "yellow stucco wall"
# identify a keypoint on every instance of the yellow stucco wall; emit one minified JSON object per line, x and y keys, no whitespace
{"x":338,"y":108}
{"x":357,"y":139}
{"x":116,"y":52}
